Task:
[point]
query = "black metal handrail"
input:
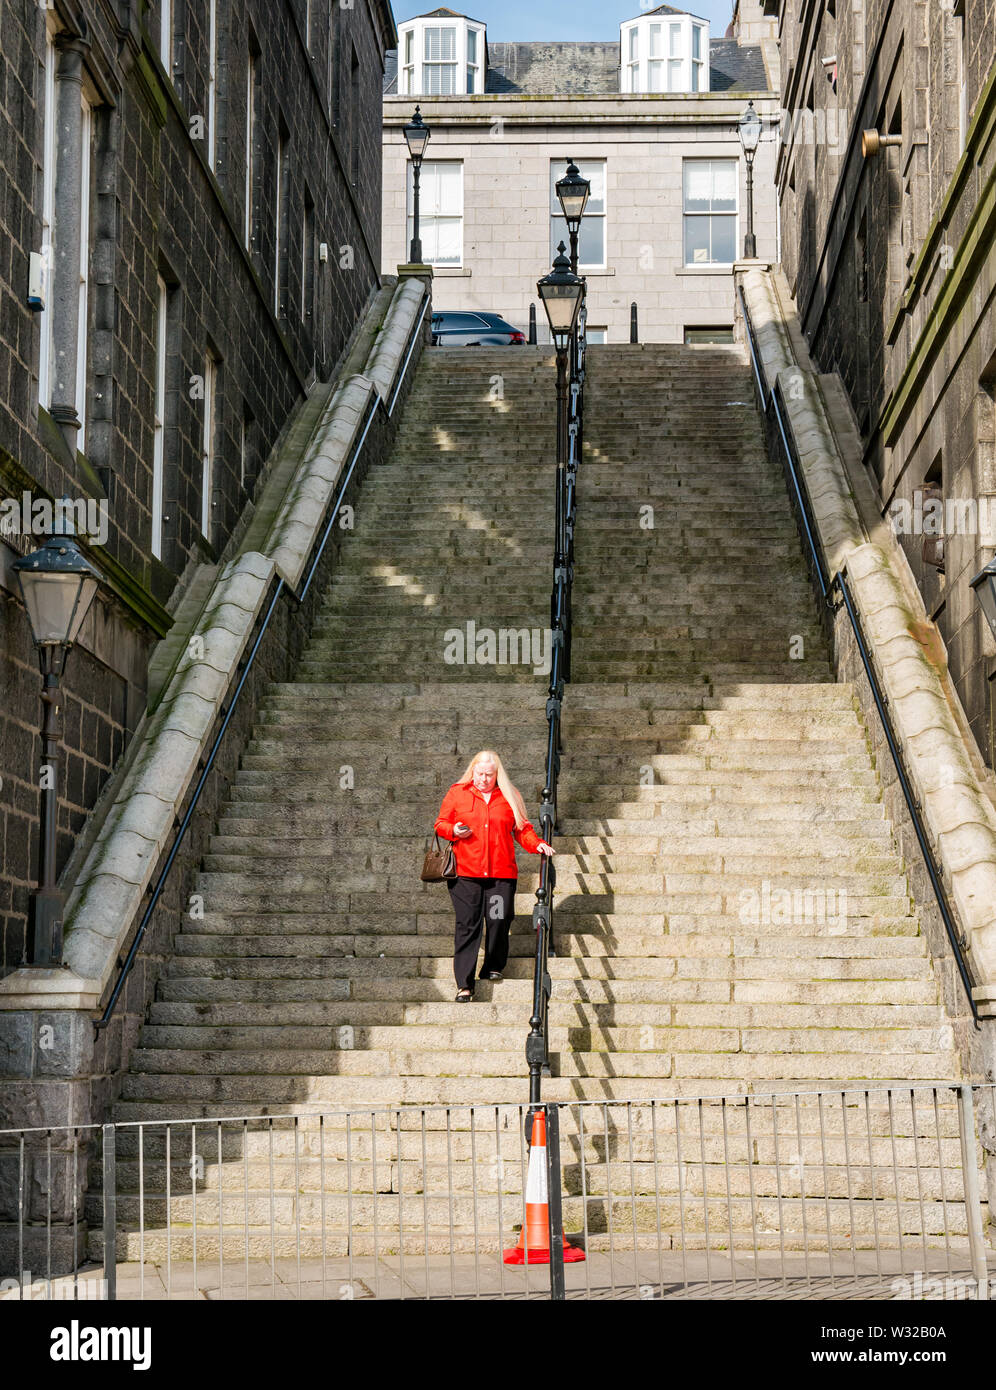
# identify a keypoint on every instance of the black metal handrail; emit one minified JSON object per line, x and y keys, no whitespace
{"x":156,"y":890}
{"x":538,"y":1040}
{"x":773,"y":404}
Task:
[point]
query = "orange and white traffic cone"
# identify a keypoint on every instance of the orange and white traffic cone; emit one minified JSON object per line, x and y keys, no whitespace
{"x":534,"y":1238}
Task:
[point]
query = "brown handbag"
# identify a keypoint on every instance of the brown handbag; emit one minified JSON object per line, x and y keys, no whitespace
{"x":439,"y":864}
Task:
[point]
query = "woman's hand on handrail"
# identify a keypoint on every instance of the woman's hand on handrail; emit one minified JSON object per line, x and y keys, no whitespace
{"x":544,"y":848}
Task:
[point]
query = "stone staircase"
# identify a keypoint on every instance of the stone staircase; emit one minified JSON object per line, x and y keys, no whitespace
{"x":732,"y":914}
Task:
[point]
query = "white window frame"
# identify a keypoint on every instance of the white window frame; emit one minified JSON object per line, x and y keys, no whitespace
{"x":207,"y":441}
{"x":412,"y":63}
{"x":86,"y":136}
{"x":250,"y":133}
{"x":452,"y":65}
{"x":166,"y":35}
{"x":48,"y":225}
{"x":425,"y":217}
{"x":557,"y":172}
{"x":663,"y":61}
{"x":734,"y":213}
{"x":472,"y":67}
{"x":408,"y":70}
{"x":212,"y":101}
{"x":159,"y":420}
{"x":699,"y":64}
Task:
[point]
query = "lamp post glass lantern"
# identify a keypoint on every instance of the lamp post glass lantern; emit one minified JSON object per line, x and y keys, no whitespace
{"x":560,"y":292}
{"x":749,"y":128}
{"x":417,"y":135}
{"x":57,"y":583}
{"x":984,"y":585}
{"x":573,"y":191}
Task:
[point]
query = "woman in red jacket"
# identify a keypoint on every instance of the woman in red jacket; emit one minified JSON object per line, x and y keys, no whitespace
{"x":484,"y":814}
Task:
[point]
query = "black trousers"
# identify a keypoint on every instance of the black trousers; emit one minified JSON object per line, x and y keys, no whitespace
{"x":479,"y":904}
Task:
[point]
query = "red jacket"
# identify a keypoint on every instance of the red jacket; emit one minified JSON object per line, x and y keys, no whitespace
{"x":488,"y":851}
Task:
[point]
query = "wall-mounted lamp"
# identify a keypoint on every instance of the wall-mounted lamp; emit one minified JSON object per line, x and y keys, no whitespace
{"x":872,"y":142}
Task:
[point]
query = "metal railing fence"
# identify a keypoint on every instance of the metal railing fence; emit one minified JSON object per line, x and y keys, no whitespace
{"x":565,"y":511}
{"x":870,"y":1192}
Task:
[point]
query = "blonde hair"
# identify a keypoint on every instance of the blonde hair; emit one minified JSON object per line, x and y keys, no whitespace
{"x":508,"y":790}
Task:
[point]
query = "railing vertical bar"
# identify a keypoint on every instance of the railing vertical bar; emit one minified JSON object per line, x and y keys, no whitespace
{"x":48,"y":1218}
{"x":273,"y":1256}
{"x":20,"y":1215}
{"x":322,"y":1203}
{"x":501,"y":1204}
{"x":141,"y":1214}
{"x":850,"y":1186}
{"x":608,"y":1200}
{"x":297,"y":1199}
{"x":895,"y":1182}
{"x":221,"y":1224}
{"x":523,"y":1165}
{"x":778,"y":1189}
{"x":473,"y":1193}
{"x":705,"y":1196}
{"x":350,"y":1240}
{"x":425,"y":1203}
{"x":872,"y":1181}
{"x":169,"y":1209}
{"x":944,"y":1195}
{"x":753,"y":1194}
{"x":76,"y":1199}
{"x":449,"y":1189}
{"x":632,"y":1191}
{"x":245,"y":1197}
{"x":374,"y":1202}
{"x":110,"y":1185}
{"x":657,"y":1195}
{"x":681,"y":1193}
{"x":915,"y":1122}
{"x":826,"y":1192}
{"x":584,"y":1200}
{"x":401,"y":1209}
{"x":193,"y":1184}
{"x":802,"y":1192}
{"x":729,"y":1197}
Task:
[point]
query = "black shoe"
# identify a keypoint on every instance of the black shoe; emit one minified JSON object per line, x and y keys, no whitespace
{"x":464,"y":996}
{"x":493,"y":975}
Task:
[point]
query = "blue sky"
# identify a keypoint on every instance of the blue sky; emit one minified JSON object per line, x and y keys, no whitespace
{"x":578,"y":19}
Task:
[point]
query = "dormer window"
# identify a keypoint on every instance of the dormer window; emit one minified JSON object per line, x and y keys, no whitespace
{"x":665,"y":51}
{"x":441,"y":54}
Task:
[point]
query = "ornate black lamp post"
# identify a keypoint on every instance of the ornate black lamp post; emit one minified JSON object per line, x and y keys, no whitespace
{"x":749,"y":127}
{"x":560,"y":292}
{"x":57,"y":584}
{"x":417,"y":135}
{"x":573,"y":190}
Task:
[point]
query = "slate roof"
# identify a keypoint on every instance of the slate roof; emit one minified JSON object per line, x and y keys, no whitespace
{"x":592,"y":69}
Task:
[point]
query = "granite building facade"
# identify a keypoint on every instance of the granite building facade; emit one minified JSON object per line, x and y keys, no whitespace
{"x":887,"y":188}
{"x":191,"y":192}
{"x":651,"y":118}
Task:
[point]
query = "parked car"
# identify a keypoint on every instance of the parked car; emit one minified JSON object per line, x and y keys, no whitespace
{"x":479,"y":329}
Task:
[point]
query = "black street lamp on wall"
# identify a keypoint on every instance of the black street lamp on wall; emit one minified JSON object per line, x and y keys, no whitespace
{"x":573,"y":191}
{"x":749,"y":127}
{"x":417,"y":136}
{"x":57,"y":584}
